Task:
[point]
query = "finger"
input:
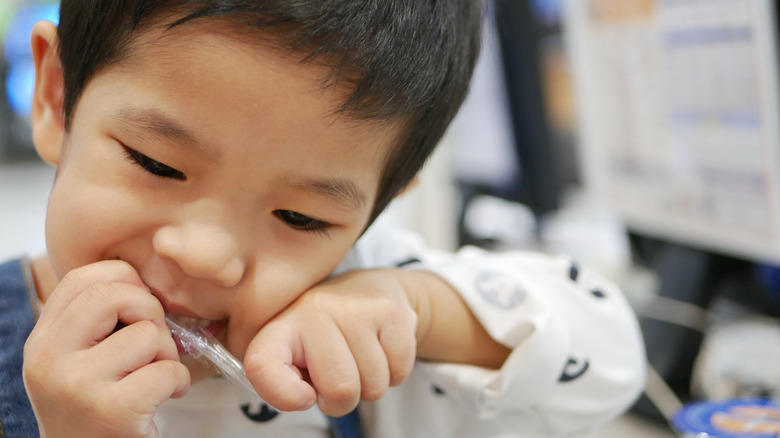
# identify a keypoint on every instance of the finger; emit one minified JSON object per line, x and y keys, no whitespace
{"x":400,"y":348}
{"x":372,"y":364}
{"x":80,"y":279}
{"x":135,"y":346}
{"x":94,"y":314}
{"x":147,"y":387}
{"x":333,"y":370}
{"x":272,"y":363}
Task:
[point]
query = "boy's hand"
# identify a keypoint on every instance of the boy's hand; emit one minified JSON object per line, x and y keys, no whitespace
{"x":84,"y":378}
{"x":346,"y":339}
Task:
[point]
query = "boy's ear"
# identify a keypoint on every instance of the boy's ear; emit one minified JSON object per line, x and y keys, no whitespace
{"x":48,"y":125}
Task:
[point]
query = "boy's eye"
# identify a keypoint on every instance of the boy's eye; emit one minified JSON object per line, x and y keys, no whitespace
{"x":300,"y":221}
{"x":153,"y":166}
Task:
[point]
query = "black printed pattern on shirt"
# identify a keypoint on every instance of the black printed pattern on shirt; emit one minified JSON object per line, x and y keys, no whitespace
{"x":261,"y":413}
{"x":574,"y":274}
{"x":407,"y":262}
{"x":574,"y":369}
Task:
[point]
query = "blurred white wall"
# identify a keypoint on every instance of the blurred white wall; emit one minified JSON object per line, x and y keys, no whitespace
{"x":24,"y":190}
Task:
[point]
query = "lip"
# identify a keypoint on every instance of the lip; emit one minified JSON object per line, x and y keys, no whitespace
{"x":213,"y":327}
{"x":171,"y":307}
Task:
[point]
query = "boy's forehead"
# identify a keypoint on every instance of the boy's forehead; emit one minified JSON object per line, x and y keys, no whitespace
{"x":186,"y":51}
{"x":331,"y":81}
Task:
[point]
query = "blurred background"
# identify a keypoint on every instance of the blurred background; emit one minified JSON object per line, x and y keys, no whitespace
{"x":24,"y":180}
{"x":639,"y":136}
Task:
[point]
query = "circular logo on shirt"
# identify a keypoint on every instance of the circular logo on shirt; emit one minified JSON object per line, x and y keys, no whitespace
{"x":499,"y":290}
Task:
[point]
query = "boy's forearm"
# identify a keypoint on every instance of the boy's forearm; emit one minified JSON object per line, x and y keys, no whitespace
{"x":447,"y":331}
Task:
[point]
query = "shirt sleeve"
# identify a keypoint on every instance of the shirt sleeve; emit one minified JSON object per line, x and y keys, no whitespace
{"x":577,"y":357}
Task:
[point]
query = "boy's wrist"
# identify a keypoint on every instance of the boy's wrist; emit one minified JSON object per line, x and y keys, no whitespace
{"x":446,"y":329}
{"x":419,"y":286}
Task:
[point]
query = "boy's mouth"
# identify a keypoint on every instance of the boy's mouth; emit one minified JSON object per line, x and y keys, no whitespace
{"x":211,"y":327}
{"x":186,"y":319}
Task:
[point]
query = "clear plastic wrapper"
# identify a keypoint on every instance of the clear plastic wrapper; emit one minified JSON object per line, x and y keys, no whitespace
{"x":200,"y":344}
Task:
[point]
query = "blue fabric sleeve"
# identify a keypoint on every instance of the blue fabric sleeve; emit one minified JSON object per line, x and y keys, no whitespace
{"x":18,"y":312}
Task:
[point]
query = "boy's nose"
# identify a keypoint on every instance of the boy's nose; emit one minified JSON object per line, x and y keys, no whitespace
{"x":204,"y":251}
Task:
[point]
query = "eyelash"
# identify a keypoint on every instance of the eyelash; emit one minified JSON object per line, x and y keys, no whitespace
{"x":294,"y":219}
{"x":153,"y":166}
{"x":302,"y":222}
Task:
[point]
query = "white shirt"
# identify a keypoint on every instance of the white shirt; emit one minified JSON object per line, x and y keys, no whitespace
{"x":577,"y":358}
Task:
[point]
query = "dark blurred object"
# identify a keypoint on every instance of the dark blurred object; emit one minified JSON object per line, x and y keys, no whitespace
{"x":695,"y":278}
{"x":18,"y":75}
{"x":520,"y":33}
{"x":538,"y":96}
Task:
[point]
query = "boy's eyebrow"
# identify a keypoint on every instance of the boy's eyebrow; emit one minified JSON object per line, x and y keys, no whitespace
{"x":156,"y":122}
{"x":341,"y":190}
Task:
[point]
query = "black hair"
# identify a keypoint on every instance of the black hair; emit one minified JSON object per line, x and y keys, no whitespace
{"x":403,"y":60}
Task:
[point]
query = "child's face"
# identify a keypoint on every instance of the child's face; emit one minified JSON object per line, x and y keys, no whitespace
{"x":260,"y":189}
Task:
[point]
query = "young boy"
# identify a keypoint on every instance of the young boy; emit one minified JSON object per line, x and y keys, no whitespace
{"x":222,"y":160}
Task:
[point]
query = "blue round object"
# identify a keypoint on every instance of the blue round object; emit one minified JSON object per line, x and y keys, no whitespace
{"x":730,"y":418}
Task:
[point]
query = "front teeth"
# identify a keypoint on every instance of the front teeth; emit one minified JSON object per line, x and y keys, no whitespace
{"x":188,"y":322}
